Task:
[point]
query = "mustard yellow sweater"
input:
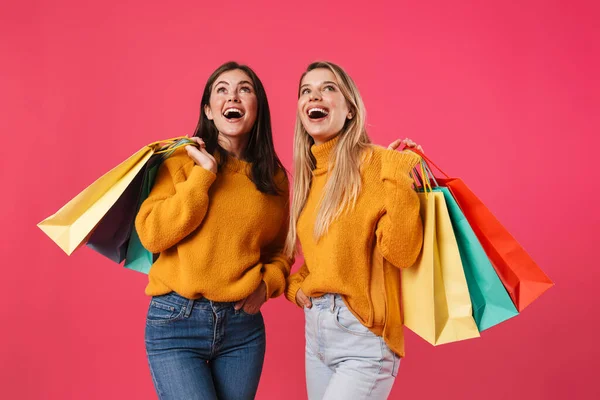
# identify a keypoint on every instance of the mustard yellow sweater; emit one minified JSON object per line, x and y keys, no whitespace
{"x":217,"y":235}
{"x":360,"y":256}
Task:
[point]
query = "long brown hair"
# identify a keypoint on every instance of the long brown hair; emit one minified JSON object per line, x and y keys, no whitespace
{"x":260,"y":150}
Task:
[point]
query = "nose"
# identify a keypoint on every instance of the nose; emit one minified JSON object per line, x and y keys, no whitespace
{"x":234,"y":97}
{"x":314,"y":96}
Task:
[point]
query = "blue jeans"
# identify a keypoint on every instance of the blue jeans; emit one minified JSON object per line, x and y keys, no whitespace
{"x":200,"y":349}
{"x":344,"y":359}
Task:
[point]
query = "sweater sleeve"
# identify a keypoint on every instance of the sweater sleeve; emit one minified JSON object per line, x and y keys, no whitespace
{"x":277,"y":265}
{"x":175,"y":207}
{"x":294,"y":282}
{"x":399,"y":231}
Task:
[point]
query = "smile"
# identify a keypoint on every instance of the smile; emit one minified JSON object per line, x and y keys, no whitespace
{"x":315,"y":113}
{"x":233,"y":113}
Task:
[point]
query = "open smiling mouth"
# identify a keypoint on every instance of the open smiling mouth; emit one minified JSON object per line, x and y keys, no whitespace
{"x":316,"y":113}
{"x":232,"y":114}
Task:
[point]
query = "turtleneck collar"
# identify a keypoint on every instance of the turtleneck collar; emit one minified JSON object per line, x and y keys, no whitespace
{"x":322,"y":153}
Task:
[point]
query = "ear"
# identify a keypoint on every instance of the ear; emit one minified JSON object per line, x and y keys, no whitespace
{"x":208,"y":112}
{"x":349,"y":116}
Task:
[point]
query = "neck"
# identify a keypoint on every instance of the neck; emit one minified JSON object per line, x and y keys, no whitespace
{"x":321,"y":140}
{"x":235,"y":145}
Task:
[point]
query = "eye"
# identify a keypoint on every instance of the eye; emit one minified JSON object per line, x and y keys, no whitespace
{"x":305,"y":91}
{"x":246,"y":89}
{"x":330,"y":88}
{"x":221,"y":90}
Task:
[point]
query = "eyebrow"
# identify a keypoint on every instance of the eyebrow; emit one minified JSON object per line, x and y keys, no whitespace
{"x":240,"y":83}
{"x":322,"y":83}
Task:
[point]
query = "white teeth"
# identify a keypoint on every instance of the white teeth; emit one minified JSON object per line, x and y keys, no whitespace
{"x":233,"y":109}
{"x":316,"y":109}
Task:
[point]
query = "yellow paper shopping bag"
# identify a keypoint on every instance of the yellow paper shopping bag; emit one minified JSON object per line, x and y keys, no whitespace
{"x":71,"y":226}
{"x":435,"y":295}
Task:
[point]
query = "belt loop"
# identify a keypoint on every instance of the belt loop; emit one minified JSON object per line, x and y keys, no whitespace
{"x":331,"y":302}
{"x":188,"y":308}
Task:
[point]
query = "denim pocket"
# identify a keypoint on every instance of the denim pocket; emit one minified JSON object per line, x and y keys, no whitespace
{"x":161,"y":312}
{"x":346,"y":321}
{"x":242,"y":311}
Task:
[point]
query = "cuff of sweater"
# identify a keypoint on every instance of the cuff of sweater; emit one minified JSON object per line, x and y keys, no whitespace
{"x":202,"y":178}
{"x":274,"y":279}
{"x":291,"y":291}
{"x":398,"y":163}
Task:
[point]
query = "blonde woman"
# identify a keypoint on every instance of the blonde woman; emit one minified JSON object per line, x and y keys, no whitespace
{"x":356,"y":217}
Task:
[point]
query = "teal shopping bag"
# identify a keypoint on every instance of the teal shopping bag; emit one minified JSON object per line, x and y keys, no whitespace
{"x":491,"y":302}
{"x":137,"y":257}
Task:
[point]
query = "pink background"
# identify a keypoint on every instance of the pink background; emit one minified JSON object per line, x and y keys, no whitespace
{"x":505,"y":96}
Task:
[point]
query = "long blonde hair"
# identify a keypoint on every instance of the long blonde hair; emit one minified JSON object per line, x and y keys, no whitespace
{"x":343,"y":182}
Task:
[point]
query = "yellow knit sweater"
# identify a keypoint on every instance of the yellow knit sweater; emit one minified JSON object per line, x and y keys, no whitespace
{"x":217,"y":235}
{"x":359,"y":256}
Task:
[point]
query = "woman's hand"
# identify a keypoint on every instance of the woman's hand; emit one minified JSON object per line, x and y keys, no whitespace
{"x":302,"y":299}
{"x":407,"y":142}
{"x":252,"y":303}
{"x":200,"y":156}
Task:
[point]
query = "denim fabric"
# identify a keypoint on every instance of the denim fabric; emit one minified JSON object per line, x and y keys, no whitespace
{"x":199,"y":349}
{"x":344,"y":359}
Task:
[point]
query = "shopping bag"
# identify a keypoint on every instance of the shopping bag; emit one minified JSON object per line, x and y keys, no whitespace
{"x":72,"y":225}
{"x":137,"y":257}
{"x":491,"y":302}
{"x":521,"y":276}
{"x":435,"y":296}
{"x":111,"y":236}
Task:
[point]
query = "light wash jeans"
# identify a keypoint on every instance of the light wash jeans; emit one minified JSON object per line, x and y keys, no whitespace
{"x":344,"y":359}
